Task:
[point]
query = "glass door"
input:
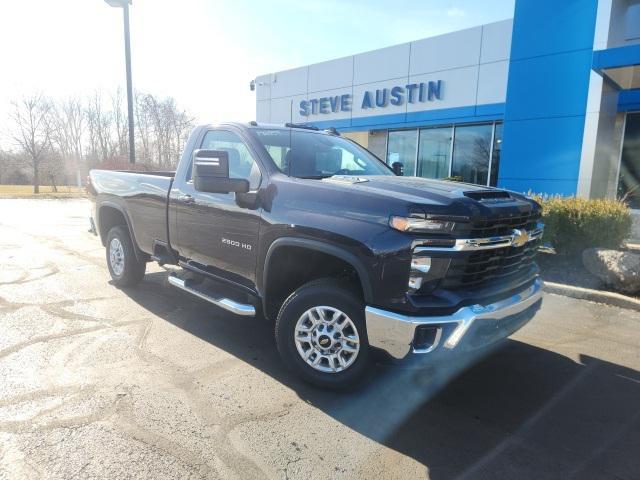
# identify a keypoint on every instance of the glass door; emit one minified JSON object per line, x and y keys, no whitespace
{"x":471,"y":152}
{"x":434,"y":152}
{"x":629,"y":182}
{"x":402,"y":147}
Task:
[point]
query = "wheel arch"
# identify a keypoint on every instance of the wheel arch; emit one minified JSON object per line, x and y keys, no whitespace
{"x":111,"y":214}
{"x":329,"y":250}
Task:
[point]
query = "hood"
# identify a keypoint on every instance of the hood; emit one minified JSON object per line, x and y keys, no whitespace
{"x":435,"y":195}
{"x":415,"y":189}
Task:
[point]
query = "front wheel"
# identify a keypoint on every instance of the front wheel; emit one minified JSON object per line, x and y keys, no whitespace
{"x":321,"y":334}
{"x":124,"y":267}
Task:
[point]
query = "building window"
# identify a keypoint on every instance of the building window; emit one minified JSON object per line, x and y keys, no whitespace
{"x":434,"y":152}
{"x":401,"y":147}
{"x":429,"y":152}
{"x":471,"y":151}
{"x":629,"y":183}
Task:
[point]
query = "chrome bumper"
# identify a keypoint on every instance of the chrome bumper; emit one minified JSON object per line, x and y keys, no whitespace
{"x":394,"y":332}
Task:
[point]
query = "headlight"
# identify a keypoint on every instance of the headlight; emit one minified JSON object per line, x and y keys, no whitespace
{"x":424,"y":225}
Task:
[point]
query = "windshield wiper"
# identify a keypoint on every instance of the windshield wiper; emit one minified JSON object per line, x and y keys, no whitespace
{"x":315,"y":177}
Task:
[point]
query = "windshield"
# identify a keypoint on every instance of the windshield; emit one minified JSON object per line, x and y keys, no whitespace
{"x":308,"y":154}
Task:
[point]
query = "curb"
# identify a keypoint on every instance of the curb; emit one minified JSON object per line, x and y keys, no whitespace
{"x":609,"y":298}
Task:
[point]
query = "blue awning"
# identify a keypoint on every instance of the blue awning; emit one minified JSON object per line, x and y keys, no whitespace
{"x":620,"y":64}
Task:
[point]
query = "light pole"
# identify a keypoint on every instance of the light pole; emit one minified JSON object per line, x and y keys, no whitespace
{"x":124,"y":4}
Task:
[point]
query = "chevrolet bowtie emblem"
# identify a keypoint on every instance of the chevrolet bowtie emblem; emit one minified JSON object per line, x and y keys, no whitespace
{"x":520,"y":237}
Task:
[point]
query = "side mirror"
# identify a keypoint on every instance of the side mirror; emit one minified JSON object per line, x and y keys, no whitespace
{"x":211,"y":173}
{"x":398,"y":168}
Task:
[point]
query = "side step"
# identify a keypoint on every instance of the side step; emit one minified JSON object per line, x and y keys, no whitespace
{"x":226,"y":303}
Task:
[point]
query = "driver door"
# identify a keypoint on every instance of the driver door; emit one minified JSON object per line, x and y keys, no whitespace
{"x":214,"y":229}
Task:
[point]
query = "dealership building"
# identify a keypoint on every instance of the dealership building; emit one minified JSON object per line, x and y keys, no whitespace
{"x":548,"y":101}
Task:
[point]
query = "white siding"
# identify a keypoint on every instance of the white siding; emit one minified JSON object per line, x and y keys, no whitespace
{"x":496,"y":41}
{"x":380,"y":65}
{"x":472,"y":65}
{"x":263,"y":87}
{"x":492,"y":82}
{"x":263,"y":111}
{"x":330,"y":75}
{"x":458,"y":89}
{"x":358,"y":92}
{"x":281,"y":110}
{"x":289,"y":82}
{"x":445,"y":52}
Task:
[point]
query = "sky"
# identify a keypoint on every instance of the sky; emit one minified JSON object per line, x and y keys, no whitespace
{"x":204,"y":53}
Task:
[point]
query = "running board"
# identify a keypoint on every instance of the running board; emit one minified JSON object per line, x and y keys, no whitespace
{"x":226,"y":303}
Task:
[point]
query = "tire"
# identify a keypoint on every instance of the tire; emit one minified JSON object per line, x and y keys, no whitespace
{"x":332,"y":297}
{"x":124,"y":267}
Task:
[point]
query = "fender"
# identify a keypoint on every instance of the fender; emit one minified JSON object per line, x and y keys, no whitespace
{"x":327,"y":248}
{"x":140,"y":255}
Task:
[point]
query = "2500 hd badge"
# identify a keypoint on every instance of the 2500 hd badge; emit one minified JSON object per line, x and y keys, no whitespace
{"x":235,"y":243}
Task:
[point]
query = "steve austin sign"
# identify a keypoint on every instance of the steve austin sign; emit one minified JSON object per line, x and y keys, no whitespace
{"x":380,"y":98}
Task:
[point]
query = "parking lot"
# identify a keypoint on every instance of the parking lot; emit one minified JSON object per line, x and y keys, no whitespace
{"x":97,"y":382}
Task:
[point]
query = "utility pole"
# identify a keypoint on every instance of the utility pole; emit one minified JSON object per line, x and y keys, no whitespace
{"x":124,"y":4}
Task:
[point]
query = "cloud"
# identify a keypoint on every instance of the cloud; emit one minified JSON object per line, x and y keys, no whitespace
{"x":456,"y":12}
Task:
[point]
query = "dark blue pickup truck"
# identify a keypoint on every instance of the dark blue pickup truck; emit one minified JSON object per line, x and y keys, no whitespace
{"x":309,"y":229}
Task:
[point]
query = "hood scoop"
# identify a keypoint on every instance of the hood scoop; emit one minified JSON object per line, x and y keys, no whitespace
{"x":489,"y":196}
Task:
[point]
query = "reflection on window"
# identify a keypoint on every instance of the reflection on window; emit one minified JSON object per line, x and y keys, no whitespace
{"x":495,"y":155}
{"x":278,"y":154}
{"x":629,"y":183}
{"x":241,"y":162}
{"x":471,"y":148}
{"x":433,"y":152}
{"x":402,"y":148}
{"x":316,"y":155}
{"x":471,"y":152}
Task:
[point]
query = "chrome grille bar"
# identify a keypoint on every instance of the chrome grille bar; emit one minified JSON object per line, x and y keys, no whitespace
{"x":517,"y":238}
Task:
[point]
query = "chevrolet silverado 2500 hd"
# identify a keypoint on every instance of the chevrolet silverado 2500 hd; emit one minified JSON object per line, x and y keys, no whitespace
{"x":313,"y":231}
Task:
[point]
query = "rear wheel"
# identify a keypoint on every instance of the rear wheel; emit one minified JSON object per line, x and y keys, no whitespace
{"x":321,"y":334}
{"x":124,"y":267}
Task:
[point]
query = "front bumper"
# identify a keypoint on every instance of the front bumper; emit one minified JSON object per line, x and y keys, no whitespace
{"x":394,"y":333}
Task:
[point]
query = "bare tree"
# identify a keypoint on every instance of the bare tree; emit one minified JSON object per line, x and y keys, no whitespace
{"x":4,"y":164}
{"x":162,"y":128}
{"x":31,"y":131}
{"x":99,"y":127}
{"x":67,"y":125}
{"x":121,"y":122}
{"x":73,"y":134}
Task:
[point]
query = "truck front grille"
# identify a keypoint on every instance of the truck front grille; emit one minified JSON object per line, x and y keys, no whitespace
{"x":488,"y":266}
{"x":504,"y":225}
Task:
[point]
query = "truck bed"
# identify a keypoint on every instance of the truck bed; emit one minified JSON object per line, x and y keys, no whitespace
{"x":142,"y":195}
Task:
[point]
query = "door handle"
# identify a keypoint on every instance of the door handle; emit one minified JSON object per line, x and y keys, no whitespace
{"x":188,"y":199}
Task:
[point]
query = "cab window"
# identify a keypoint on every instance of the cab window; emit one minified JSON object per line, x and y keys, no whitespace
{"x":241,"y":162}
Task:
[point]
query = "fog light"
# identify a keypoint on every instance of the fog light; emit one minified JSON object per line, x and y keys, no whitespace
{"x":421,"y":264}
{"x":426,"y":338}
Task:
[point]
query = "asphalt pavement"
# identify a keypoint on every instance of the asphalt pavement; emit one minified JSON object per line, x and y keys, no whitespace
{"x":148,"y":382}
